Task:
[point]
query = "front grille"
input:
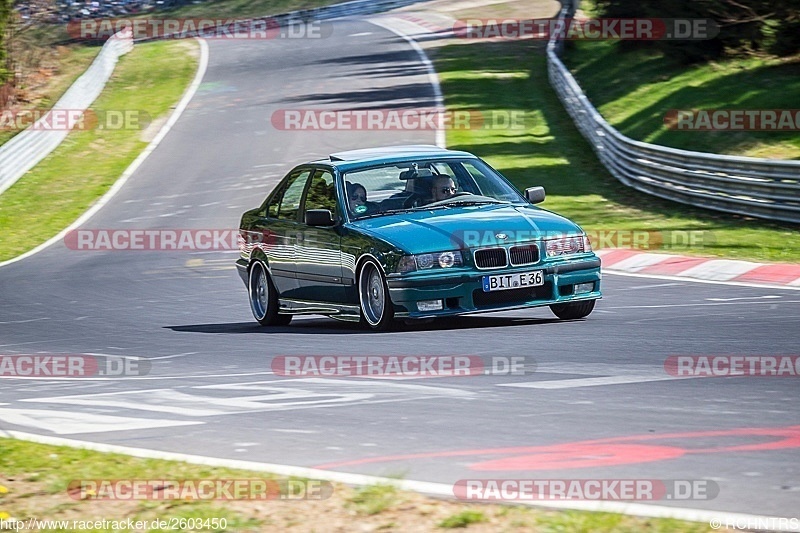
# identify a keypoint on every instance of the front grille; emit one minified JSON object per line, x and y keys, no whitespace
{"x":512,"y":296}
{"x":524,"y":255}
{"x":490,"y":258}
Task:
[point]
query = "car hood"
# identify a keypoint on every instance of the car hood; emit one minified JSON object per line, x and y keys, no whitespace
{"x":464,"y":227}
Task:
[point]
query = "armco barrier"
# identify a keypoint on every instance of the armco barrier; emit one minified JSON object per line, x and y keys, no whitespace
{"x":763,"y":188}
{"x":27,"y":148}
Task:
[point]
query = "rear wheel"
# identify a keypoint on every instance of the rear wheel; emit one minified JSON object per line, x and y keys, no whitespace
{"x":264,"y":298}
{"x":377,"y":311}
{"x":574,"y":310}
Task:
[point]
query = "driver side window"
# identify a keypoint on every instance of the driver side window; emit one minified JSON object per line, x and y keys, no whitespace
{"x":321,"y":193}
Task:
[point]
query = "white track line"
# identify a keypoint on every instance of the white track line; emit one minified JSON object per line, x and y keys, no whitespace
{"x":433,"y":77}
{"x":425,"y":487}
{"x":587,"y":382}
{"x":139,"y":378}
{"x":187,"y":96}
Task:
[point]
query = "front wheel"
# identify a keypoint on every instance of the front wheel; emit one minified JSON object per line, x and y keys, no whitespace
{"x":573,"y":311}
{"x":264,"y":298}
{"x":377,"y":311}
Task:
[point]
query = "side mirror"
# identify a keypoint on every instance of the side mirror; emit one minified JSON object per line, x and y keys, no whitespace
{"x":319,"y":217}
{"x":535,"y":195}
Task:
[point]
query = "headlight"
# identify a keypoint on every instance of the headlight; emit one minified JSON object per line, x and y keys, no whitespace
{"x":449,"y":259}
{"x":575,"y":244}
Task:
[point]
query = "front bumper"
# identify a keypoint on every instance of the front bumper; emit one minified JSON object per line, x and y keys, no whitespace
{"x":463,"y":292}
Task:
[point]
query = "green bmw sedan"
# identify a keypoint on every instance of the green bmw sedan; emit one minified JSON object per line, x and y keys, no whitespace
{"x":409,"y":233}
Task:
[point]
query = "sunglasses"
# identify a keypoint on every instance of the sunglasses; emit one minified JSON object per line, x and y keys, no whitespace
{"x":362,"y":197}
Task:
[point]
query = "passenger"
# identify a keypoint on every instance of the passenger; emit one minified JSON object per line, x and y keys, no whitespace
{"x":357,"y":200}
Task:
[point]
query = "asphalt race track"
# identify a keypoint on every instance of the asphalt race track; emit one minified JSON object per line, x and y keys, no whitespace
{"x":595,"y":402}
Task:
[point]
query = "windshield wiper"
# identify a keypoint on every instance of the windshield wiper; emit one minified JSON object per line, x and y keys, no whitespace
{"x":382,"y":213}
{"x":467,"y":201}
{"x":475,"y":202}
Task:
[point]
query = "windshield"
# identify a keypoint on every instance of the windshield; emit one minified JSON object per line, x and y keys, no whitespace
{"x":425,"y":184}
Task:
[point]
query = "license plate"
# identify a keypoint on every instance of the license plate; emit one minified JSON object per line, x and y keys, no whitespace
{"x":520,"y":280}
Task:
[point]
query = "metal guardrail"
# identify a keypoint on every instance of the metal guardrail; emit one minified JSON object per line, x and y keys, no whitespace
{"x":763,"y":188}
{"x":28,"y":148}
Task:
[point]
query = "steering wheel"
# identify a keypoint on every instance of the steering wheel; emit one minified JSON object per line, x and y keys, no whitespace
{"x":415,"y":200}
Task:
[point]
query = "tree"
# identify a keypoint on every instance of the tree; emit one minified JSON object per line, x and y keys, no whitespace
{"x":745,"y":25}
{"x":787,"y":34}
{"x":5,"y":17}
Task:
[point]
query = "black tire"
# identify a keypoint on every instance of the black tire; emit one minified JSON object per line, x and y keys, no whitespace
{"x":574,"y":310}
{"x":264,"y":297}
{"x":377,"y":311}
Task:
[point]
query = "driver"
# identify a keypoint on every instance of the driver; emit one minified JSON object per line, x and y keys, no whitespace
{"x":443,"y":188}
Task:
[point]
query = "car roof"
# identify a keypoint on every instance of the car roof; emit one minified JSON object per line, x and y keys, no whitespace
{"x":364,"y":157}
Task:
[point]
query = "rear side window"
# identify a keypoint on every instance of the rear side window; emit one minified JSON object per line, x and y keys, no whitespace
{"x":286,"y":204}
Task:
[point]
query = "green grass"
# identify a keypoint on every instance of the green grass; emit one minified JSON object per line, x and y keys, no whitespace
{"x":569,"y":521}
{"x":52,"y":469}
{"x":634,"y":91}
{"x":462,"y":519}
{"x":550,"y":151}
{"x":34,"y":482}
{"x":151,"y":79}
{"x":374,"y":499}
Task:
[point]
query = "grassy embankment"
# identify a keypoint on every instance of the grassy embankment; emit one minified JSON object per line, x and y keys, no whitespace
{"x":34,"y":482}
{"x":633,"y":91}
